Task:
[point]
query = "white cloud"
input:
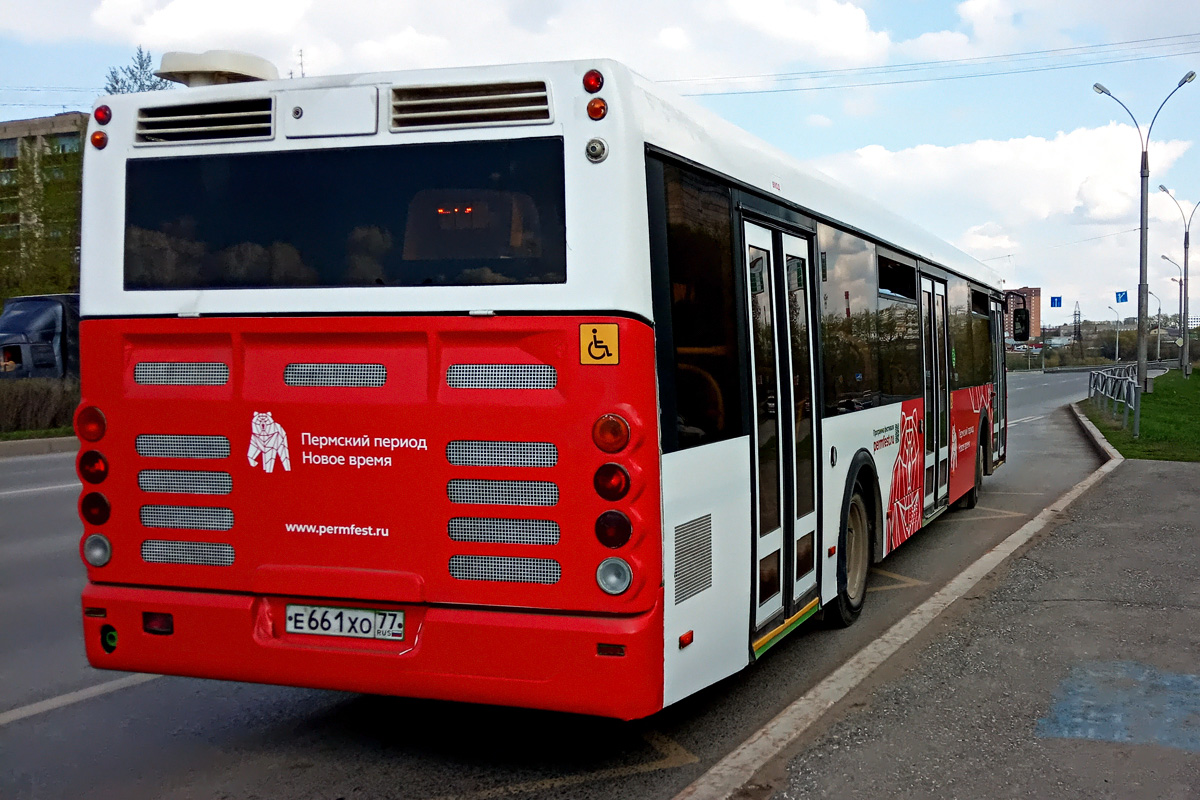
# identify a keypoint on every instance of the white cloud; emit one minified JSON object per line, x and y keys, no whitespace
{"x":818,"y":121}
{"x":1042,"y":201}
{"x":674,"y":38}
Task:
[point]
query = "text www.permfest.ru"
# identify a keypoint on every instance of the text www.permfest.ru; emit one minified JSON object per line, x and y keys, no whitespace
{"x":335,"y":530}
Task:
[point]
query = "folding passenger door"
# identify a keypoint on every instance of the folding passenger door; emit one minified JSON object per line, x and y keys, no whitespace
{"x":937,"y":393}
{"x":783,"y":428}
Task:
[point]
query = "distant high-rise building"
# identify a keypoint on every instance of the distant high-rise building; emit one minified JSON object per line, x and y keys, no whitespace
{"x":1033,"y":300}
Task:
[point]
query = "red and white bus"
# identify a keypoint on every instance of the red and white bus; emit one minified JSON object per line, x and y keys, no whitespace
{"x":529,"y":385}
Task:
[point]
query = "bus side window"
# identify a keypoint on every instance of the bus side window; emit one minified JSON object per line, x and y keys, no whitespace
{"x":701,"y":271}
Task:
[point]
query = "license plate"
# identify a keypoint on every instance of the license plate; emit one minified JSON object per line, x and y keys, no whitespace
{"x":357,"y":622}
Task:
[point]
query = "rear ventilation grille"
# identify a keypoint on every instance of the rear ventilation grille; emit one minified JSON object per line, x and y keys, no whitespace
{"x":503,"y":493}
{"x":167,"y":445}
{"x":693,"y":558}
{"x":172,"y":373}
{"x":424,"y":107}
{"x":505,"y":569}
{"x":178,"y":481}
{"x":205,"y":554}
{"x":504,"y":531}
{"x":372,"y":375}
{"x":205,"y":122}
{"x":501,"y":454}
{"x":199,"y":518}
{"x":501,"y":376}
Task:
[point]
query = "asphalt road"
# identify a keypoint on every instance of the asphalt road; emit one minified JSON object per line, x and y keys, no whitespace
{"x":182,"y":738}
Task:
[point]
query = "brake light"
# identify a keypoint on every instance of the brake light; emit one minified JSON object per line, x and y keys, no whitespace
{"x":593,"y":81}
{"x":94,"y":508}
{"x":102,"y":114}
{"x":611,"y":482}
{"x":613,"y":529}
{"x":89,"y":424}
{"x":93,"y":467}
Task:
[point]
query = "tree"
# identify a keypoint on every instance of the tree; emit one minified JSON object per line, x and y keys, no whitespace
{"x":137,"y":77}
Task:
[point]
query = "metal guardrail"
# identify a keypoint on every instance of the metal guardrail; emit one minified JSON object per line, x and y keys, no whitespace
{"x":1108,"y":387}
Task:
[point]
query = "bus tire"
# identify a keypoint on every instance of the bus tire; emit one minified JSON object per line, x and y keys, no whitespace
{"x":854,"y":555}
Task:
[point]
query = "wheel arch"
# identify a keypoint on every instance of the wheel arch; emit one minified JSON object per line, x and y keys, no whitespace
{"x":863,"y":470}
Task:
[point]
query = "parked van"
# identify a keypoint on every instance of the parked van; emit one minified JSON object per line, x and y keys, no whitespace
{"x":39,"y":336}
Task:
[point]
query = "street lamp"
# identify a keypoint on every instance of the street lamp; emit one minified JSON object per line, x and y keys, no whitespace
{"x":1117,"y":354}
{"x":1143,"y":286}
{"x":1185,"y":353}
{"x":1158,"y":346}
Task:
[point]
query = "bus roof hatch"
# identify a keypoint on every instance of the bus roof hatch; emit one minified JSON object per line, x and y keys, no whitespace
{"x":215,"y":67}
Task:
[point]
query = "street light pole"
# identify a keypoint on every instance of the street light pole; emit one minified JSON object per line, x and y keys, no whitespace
{"x":1143,"y":285}
{"x":1117,"y":354}
{"x":1158,"y":346}
{"x":1185,"y":354}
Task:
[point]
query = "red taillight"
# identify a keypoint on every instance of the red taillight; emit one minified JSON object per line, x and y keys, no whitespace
{"x":89,"y":424}
{"x":593,"y":81}
{"x":158,"y":623}
{"x":686,"y":638}
{"x":613,"y":529}
{"x":611,"y":433}
{"x":94,"y":508}
{"x":93,"y":467}
{"x":99,"y":140}
{"x":611,"y":482}
{"x":102,"y":114}
{"x":597,"y":108}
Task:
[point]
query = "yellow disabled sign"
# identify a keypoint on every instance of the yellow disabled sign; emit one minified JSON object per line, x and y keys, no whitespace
{"x":598,"y":343}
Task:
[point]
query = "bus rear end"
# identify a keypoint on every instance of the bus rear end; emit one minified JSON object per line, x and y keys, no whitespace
{"x":368,"y":391}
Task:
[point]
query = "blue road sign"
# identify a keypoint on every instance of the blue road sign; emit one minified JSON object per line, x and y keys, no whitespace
{"x":1056,"y":302}
{"x":1122,"y":297}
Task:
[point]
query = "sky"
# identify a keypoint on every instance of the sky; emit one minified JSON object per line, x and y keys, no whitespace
{"x":976,"y":120}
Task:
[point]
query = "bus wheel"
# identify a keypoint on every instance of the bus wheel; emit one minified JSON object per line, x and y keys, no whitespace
{"x":854,"y":561}
{"x":971,"y":498}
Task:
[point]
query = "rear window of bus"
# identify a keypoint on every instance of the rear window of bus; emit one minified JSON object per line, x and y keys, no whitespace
{"x":457,"y":214}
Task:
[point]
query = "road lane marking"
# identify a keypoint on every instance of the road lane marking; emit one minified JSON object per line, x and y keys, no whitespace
{"x":724,"y":779}
{"x":902,"y":581}
{"x":671,"y":755}
{"x":71,"y":698}
{"x":53,"y":488}
{"x":1025,"y":419}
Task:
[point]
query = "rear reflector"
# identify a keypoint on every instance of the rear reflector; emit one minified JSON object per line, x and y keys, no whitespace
{"x":158,"y":623}
{"x":610,"y":649}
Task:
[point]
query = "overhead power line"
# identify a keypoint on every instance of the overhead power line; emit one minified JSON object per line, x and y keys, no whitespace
{"x":1064,"y":244}
{"x":960,"y":69}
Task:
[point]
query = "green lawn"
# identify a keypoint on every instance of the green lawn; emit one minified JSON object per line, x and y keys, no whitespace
{"x":1170,"y":421}
{"x":10,"y":436}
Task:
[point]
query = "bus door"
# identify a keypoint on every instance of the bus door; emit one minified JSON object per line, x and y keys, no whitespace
{"x":784,"y":443}
{"x":937,"y":393}
{"x":999,"y":385}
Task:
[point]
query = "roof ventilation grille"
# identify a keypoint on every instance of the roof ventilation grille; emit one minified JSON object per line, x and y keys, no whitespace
{"x":205,"y":122}
{"x":480,"y":105}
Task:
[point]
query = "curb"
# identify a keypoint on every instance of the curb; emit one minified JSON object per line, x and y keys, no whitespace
{"x":39,"y":447}
{"x":725,"y":779}
{"x":1103,"y":448}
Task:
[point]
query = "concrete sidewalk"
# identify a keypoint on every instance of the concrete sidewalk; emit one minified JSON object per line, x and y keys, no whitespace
{"x":1072,"y":672}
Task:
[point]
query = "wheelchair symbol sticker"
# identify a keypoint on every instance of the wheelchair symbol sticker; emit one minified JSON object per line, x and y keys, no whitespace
{"x":598,"y":343}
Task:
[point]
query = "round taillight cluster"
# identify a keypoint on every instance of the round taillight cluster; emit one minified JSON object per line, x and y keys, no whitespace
{"x":612,"y":482}
{"x":99,"y":140}
{"x":102,"y":115}
{"x":593,"y":81}
{"x":93,"y":467}
{"x":597,"y":108}
{"x":94,"y":508}
{"x":89,"y":424}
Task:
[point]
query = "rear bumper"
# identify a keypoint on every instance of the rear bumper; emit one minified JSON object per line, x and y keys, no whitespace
{"x":533,"y":660}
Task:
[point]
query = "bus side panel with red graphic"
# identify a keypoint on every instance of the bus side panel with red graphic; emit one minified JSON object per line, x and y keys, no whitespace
{"x":967,"y":409}
{"x":907,"y":498}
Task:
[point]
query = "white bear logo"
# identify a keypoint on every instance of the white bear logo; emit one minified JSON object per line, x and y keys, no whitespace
{"x":270,"y":439}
